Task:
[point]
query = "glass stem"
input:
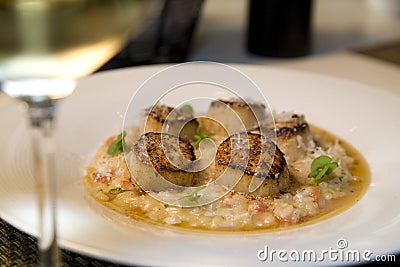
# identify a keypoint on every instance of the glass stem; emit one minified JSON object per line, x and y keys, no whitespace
{"x":41,"y":118}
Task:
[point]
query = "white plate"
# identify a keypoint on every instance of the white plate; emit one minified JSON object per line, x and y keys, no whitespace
{"x":363,"y":116}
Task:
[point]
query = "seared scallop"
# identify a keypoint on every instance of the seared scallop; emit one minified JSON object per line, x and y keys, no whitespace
{"x":256,"y":161}
{"x":293,"y":135}
{"x":174,"y":121}
{"x":294,"y":138}
{"x":158,"y":161}
{"x":236,"y":115}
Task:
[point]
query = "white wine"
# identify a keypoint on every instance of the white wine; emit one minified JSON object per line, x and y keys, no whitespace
{"x":62,"y":39}
{"x":44,"y":46}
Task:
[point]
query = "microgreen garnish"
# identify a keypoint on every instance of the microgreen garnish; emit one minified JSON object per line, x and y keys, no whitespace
{"x":114,"y":190}
{"x":321,"y":167}
{"x":194,"y":196}
{"x":117,"y":146}
{"x":187,"y":108}
{"x":198,"y":137}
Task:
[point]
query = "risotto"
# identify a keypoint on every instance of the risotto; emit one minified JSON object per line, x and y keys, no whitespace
{"x":305,"y":197}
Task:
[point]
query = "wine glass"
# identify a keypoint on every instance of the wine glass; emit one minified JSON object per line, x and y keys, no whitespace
{"x":45,"y":45}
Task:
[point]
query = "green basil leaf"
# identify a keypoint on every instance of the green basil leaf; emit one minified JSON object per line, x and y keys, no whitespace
{"x":321,"y":167}
{"x":117,"y":146}
{"x":187,"y":108}
{"x":320,"y":162}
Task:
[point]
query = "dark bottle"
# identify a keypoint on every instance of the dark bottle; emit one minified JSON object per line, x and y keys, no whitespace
{"x":279,"y":28}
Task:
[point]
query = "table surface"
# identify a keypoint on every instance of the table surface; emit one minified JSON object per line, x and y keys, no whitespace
{"x":371,"y":59}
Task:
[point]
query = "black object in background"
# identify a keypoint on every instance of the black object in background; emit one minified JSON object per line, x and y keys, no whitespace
{"x":165,"y":38}
{"x":279,"y":28}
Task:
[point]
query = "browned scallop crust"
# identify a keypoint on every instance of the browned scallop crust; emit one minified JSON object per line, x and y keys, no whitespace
{"x":290,"y":128}
{"x":235,"y":103}
{"x":255,"y":156}
{"x":160,"y":154}
{"x":151,"y":147}
{"x":251,"y":154}
{"x":293,"y":137}
{"x":159,"y":112}
{"x":179,"y":122}
{"x":233,"y":116}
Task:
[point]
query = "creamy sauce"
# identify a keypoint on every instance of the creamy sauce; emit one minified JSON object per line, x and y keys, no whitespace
{"x":356,"y":189}
{"x":131,"y":202}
